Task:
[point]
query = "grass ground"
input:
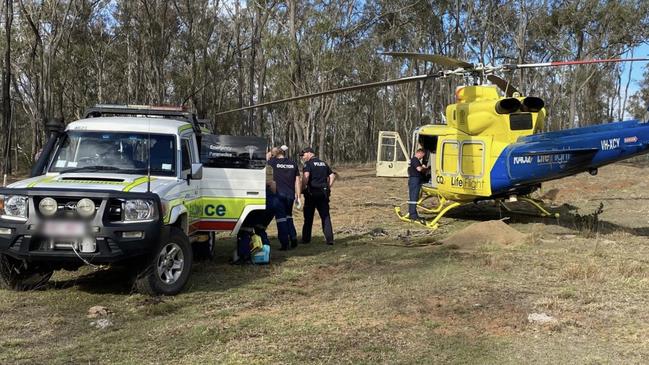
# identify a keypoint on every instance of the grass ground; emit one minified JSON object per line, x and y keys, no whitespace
{"x":385,"y":293}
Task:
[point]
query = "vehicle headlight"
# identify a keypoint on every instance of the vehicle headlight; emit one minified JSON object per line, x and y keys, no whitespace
{"x":14,"y":206}
{"x":139,"y":210}
{"x":85,"y":207}
{"x":48,"y":207}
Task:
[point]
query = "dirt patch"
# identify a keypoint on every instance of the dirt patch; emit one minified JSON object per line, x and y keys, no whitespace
{"x":489,"y":232}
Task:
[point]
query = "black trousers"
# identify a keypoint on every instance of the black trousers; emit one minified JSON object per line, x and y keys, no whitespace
{"x":317,"y":200}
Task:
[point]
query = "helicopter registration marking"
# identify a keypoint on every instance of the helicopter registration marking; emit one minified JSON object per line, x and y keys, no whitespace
{"x":610,"y":144}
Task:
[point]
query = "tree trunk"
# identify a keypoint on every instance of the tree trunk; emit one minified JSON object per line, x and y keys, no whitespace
{"x":6,"y":80}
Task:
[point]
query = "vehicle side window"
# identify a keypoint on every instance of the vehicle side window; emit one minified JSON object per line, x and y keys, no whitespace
{"x":186,"y":159}
{"x":233,"y":152}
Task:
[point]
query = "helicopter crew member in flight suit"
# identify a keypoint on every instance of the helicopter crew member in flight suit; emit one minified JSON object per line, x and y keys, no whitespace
{"x":416,"y":174}
{"x":318,"y":180}
{"x":288,"y":189}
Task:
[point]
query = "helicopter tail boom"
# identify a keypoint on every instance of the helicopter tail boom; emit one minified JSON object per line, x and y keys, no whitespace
{"x":553,"y":155}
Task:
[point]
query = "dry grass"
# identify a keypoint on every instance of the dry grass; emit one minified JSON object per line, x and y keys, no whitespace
{"x":386,"y":293}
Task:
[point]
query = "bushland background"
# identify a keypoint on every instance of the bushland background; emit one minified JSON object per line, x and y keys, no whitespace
{"x":59,"y":57}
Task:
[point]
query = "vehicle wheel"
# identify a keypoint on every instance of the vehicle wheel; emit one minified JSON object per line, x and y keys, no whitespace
{"x":19,"y":275}
{"x":168,"y":270}
{"x":204,"y":251}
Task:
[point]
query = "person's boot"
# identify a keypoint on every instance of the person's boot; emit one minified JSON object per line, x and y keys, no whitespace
{"x":293,"y":242}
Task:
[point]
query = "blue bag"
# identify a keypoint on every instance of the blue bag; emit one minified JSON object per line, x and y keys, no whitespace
{"x":261,"y":257}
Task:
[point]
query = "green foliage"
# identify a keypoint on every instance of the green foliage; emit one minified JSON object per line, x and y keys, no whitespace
{"x":214,"y":56}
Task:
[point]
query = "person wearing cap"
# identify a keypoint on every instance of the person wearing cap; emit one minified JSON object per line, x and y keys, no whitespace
{"x":288,"y":186}
{"x":318,"y":179}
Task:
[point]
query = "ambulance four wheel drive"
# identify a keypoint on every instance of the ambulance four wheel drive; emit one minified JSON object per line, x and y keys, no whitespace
{"x":139,"y":186}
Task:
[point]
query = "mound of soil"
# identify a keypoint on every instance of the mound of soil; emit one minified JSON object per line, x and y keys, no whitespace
{"x":494,"y":232}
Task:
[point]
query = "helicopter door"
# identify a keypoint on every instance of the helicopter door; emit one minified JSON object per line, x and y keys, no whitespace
{"x":391,"y":157}
{"x":429,"y":144}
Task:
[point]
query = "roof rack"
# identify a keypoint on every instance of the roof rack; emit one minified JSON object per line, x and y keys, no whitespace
{"x":108,"y":110}
{"x":163,"y":111}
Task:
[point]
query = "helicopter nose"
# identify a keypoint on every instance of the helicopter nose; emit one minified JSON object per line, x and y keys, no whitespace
{"x":507,"y":105}
{"x":532,"y":104}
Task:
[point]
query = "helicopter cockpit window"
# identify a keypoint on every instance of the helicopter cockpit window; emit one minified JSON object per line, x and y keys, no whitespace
{"x":520,"y":121}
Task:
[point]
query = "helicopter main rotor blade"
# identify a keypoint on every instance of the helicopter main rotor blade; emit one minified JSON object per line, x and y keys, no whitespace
{"x":336,"y":91}
{"x":504,"y":85}
{"x":570,"y":63}
{"x":438,"y":59}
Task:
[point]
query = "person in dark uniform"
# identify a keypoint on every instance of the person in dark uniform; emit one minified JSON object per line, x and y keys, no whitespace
{"x":255,"y":223}
{"x":288,"y":187}
{"x":416,"y":174}
{"x":318,"y":180}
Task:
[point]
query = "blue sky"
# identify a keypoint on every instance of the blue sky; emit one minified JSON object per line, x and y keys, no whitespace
{"x":636,"y":68}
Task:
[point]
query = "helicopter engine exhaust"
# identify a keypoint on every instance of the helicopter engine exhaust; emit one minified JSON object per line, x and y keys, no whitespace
{"x":508,"y":105}
{"x":532,"y":104}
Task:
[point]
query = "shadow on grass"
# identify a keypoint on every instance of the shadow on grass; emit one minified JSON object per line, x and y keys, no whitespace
{"x":587,"y":223}
{"x":216,"y":275}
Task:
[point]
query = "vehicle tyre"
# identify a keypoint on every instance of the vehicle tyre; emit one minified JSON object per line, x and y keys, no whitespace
{"x":167,"y":271}
{"x":204,"y":251}
{"x":20,"y":275}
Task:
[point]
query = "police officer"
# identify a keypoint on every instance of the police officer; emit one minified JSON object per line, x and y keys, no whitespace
{"x":318,"y":180}
{"x":416,"y":174}
{"x":288,"y":185}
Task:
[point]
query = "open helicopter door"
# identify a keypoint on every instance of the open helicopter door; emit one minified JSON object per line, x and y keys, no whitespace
{"x":429,"y":144}
{"x":391,"y":156}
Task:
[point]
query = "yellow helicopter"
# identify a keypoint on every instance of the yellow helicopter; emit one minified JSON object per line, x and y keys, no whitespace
{"x":491,"y":147}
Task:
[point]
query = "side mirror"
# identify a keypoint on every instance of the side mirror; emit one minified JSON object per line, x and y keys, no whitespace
{"x":196,"y":172}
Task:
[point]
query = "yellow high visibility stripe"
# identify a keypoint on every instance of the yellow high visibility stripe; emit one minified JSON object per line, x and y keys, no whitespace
{"x":43,"y":180}
{"x":136,"y":182}
{"x":184,"y":128}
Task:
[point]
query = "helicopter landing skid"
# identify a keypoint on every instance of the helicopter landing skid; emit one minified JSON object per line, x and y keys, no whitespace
{"x":541,"y":211}
{"x":430,"y":224}
{"x":441,"y":201}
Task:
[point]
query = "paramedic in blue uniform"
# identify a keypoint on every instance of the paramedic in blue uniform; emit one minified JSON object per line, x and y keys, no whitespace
{"x":288,"y":185}
{"x":416,"y":174}
{"x":317,"y":180}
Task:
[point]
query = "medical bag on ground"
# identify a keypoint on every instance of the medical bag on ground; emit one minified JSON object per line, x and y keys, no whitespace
{"x":262,"y":256}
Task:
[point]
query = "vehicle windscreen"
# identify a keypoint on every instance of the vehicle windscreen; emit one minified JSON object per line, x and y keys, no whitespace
{"x":84,"y":151}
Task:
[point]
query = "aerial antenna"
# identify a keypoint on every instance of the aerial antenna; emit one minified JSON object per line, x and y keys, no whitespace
{"x":148,"y":160}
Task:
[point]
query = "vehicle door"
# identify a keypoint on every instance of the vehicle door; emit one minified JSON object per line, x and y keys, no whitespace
{"x":391,"y":157}
{"x":190,"y":193}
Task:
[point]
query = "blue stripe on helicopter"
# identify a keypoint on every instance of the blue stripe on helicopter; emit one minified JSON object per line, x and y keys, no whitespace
{"x":547,"y":156}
